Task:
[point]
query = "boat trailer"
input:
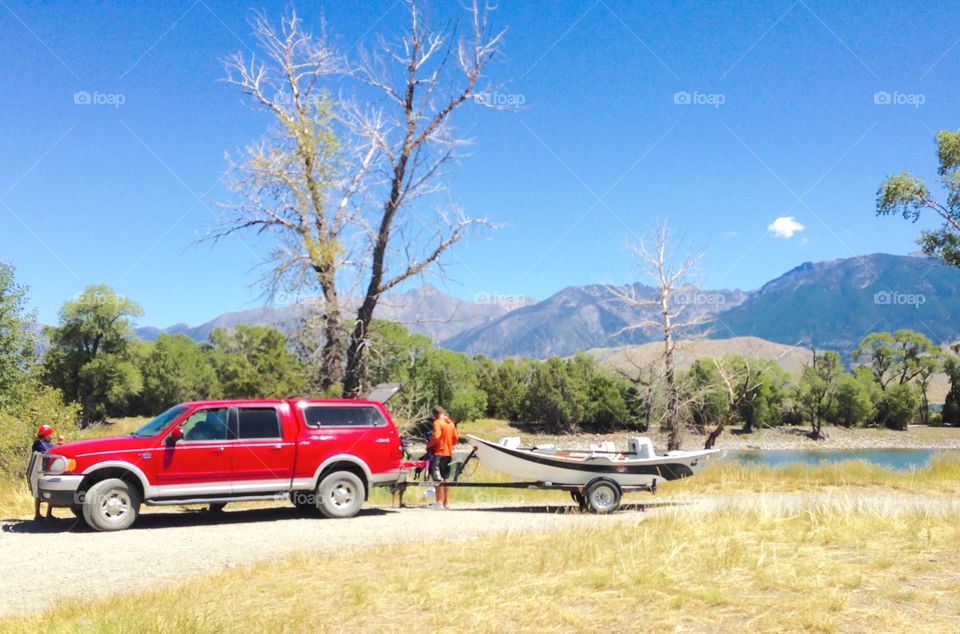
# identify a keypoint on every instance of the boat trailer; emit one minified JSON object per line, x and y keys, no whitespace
{"x":599,"y":495}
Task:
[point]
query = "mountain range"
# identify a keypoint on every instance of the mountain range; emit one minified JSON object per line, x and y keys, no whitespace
{"x":830,"y":305}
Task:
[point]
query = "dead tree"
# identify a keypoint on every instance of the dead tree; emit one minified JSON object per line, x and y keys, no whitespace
{"x":659,"y":260}
{"x":342,"y":183}
{"x":424,"y":79}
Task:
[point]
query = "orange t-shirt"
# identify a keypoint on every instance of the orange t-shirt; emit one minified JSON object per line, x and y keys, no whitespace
{"x":444,"y":437}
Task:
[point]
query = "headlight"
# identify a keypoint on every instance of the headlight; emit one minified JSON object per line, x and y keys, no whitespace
{"x":58,"y":464}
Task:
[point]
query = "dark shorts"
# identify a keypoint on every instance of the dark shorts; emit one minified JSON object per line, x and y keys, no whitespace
{"x":441,"y":467}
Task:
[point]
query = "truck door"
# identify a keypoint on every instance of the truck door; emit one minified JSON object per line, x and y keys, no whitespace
{"x":201,"y":462}
{"x":263,"y":453}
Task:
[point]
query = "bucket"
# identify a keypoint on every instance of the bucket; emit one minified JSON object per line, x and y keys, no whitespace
{"x":430,"y":493}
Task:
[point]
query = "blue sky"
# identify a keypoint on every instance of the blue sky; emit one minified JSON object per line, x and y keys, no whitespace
{"x":719,"y":118}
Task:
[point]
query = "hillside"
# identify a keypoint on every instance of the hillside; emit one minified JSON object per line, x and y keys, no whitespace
{"x":576,"y":318}
{"x":832,"y":305}
{"x":790,"y":358}
{"x":426,"y":310}
{"x":835,"y":304}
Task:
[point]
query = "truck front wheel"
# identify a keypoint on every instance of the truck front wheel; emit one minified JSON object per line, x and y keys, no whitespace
{"x":111,"y":505}
{"x":340,"y":494}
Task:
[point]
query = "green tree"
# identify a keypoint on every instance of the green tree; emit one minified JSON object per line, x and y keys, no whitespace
{"x":177,"y":369}
{"x":447,"y":378}
{"x":908,"y":195}
{"x":507,"y":386}
{"x":878,"y":352}
{"x":818,"y":387}
{"x":89,"y":358}
{"x":254,"y":362}
{"x":853,"y":406}
{"x":898,"y":406}
{"x":951,"y":405}
{"x":555,"y":398}
{"x":17,"y":342}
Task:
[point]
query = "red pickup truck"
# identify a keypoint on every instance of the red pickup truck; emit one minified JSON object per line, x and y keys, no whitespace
{"x":318,"y":453}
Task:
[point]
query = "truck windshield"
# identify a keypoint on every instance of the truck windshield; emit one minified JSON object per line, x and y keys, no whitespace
{"x":160,"y":423}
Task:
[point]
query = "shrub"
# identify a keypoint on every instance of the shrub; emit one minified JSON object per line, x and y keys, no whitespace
{"x":34,"y":405}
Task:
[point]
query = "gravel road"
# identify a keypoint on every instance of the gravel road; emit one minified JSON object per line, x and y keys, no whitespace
{"x":67,"y":560}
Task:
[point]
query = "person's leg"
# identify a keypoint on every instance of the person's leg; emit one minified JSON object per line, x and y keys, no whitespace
{"x":445,"y":475}
{"x":50,"y":511}
{"x":36,"y":510}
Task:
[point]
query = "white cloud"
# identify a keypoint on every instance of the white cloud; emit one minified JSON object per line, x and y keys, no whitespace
{"x":785,"y":227}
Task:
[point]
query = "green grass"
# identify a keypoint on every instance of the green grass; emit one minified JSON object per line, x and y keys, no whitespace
{"x":823,"y":569}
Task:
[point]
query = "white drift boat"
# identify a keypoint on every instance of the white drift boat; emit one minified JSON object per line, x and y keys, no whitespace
{"x":639,"y":466}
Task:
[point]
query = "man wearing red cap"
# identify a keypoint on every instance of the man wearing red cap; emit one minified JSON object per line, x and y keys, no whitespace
{"x":43,"y":444}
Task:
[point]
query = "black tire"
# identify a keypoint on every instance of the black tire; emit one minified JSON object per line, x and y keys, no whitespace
{"x":111,"y":505}
{"x":603,"y":496}
{"x":340,"y":494}
{"x":77,"y":510}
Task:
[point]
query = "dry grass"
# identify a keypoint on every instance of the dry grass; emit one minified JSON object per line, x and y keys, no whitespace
{"x":822,"y":568}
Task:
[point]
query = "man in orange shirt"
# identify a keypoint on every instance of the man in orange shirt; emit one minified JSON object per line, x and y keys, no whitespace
{"x":441,"y":445}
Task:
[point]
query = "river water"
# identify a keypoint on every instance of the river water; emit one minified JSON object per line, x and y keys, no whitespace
{"x":899,"y":459}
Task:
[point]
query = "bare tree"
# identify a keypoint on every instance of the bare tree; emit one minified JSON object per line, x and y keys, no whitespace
{"x":424,"y":78}
{"x":341,"y":183}
{"x":288,"y":180}
{"x":659,"y":260}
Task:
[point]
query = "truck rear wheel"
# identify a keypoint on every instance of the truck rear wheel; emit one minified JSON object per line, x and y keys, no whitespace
{"x":111,"y":505}
{"x":340,"y":494}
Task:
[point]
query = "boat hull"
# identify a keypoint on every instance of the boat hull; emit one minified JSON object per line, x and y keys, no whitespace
{"x":528,"y":465}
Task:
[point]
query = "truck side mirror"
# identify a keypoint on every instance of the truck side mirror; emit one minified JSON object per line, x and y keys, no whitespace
{"x":175,"y":435}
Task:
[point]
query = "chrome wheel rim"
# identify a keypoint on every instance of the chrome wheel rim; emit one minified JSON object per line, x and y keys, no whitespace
{"x":602,"y":498}
{"x":342,"y":494}
{"x":114,"y":506}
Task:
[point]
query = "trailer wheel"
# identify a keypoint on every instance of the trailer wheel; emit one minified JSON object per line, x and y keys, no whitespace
{"x":603,"y":496}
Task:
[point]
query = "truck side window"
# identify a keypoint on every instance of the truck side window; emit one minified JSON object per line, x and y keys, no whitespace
{"x":258,"y":422}
{"x":344,"y":416}
{"x":205,"y":424}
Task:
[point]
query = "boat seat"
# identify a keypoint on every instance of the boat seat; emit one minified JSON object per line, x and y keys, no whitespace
{"x":604,"y":447}
{"x":641,"y":447}
{"x":510,"y":442}
{"x":548,"y":448}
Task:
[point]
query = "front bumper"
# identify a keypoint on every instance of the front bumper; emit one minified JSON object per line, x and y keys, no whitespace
{"x":60,"y":490}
